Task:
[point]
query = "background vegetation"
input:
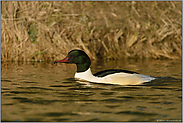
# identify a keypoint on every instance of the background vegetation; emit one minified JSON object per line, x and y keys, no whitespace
{"x":37,"y":30}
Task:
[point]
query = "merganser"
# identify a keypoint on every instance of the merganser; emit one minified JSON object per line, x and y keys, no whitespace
{"x":111,"y":76}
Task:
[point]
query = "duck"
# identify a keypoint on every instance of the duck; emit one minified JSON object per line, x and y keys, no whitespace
{"x":110,"y":76}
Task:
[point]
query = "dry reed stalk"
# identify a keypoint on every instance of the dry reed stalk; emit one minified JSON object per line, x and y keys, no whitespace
{"x":36,"y":30}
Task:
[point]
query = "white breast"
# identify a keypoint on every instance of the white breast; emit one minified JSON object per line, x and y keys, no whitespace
{"x":87,"y":75}
{"x":117,"y":78}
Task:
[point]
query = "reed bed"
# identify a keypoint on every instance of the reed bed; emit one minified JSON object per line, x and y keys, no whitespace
{"x":46,"y":31}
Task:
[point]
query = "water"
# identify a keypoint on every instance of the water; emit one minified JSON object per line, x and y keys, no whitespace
{"x":47,"y":92}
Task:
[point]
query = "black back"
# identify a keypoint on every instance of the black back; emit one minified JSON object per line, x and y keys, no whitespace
{"x":112,"y":71}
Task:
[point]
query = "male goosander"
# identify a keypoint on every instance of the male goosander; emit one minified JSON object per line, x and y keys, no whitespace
{"x":111,"y":76}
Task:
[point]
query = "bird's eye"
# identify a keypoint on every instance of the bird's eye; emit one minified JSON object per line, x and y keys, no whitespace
{"x":73,"y":57}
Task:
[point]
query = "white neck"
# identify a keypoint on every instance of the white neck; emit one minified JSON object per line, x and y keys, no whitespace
{"x":86,"y":75}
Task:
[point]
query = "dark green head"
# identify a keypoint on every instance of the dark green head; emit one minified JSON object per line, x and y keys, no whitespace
{"x":78,"y":57}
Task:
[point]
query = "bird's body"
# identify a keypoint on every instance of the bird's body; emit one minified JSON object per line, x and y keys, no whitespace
{"x":112,"y":76}
{"x":120,"y":78}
